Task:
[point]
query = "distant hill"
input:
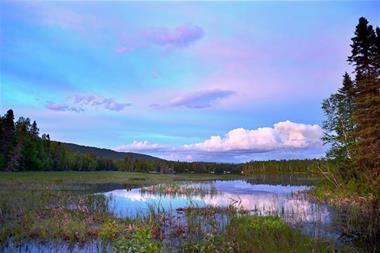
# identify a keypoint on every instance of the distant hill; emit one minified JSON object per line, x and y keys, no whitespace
{"x":107,"y":153}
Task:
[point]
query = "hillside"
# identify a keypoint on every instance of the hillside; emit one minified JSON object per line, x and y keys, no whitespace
{"x":107,"y":153}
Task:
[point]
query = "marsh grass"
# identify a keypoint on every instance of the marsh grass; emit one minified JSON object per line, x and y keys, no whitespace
{"x":80,"y":181}
{"x":49,"y":211}
{"x":356,"y":212}
{"x":51,"y":215}
{"x":75,"y":180}
{"x":212,"y":210}
{"x":245,"y":233}
{"x":186,"y":189}
{"x":74,"y":218}
{"x":270,"y":234}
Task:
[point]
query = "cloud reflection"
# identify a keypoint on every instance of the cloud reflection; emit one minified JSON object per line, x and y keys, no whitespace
{"x":258,"y":199}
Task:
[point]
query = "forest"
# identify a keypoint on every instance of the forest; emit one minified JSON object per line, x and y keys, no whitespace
{"x":23,"y":149}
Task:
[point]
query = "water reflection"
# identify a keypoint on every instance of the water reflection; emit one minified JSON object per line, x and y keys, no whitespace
{"x":262,"y":199}
{"x":287,"y":201}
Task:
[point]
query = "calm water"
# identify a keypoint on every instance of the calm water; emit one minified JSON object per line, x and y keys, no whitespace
{"x":263,"y":199}
{"x":286,"y":201}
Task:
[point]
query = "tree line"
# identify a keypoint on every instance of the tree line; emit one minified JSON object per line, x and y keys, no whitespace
{"x":22,"y":148}
{"x":163,"y":166}
{"x":352,"y":125}
{"x":281,"y":166}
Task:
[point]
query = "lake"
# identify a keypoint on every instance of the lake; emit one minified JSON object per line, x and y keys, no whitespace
{"x":287,"y":201}
{"x":262,"y":199}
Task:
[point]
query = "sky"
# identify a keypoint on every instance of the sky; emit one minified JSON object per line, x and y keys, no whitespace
{"x":190,"y":81}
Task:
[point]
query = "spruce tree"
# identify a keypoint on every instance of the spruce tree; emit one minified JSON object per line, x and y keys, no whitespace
{"x":8,"y":140}
{"x":34,"y":130}
{"x":377,"y":51}
{"x":2,"y":144}
{"x":362,"y":49}
{"x":365,"y":59}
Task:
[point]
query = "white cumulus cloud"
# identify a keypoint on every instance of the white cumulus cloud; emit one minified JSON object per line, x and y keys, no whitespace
{"x":141,"y":146}
{"x":283,"y":135}
{"x":285,"y":139}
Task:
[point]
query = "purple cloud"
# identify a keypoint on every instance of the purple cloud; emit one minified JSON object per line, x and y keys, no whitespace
{"x":181,"y":37}
{"x":62,"y":108}
{"x":94,"y":100}
{"x":201,"y":99}
{"x":79,"y":102}
{"x":84,"y":99}
{"x":112,"y":105}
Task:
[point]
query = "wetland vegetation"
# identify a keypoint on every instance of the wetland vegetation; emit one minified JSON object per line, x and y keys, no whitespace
{"x":267,"y":216}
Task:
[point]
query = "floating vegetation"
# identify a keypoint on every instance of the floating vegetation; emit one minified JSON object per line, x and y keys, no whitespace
{"x":212,"y":210}
{"x":179,"y":189}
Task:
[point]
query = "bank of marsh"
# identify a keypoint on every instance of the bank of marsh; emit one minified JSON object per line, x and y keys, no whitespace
{"x":116,"y":213}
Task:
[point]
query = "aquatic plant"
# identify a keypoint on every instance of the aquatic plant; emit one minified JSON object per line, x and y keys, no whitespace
{"x":51,"y":215}
{"x":212,"y":210}
{"x":270,"y":234}
{"x":179,"y":189}
{"x":140,"y":240}
{"x":80,"y":218}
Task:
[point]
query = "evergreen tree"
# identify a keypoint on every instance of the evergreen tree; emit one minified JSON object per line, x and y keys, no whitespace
{"x":363,"y":49}
{"x":377,"y":51}
{"x":365,"y":58}
{"x":2,"y":144}
{"x":34,"y":130}
{"x":22,"y":149}
{"x":8,"y":138}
